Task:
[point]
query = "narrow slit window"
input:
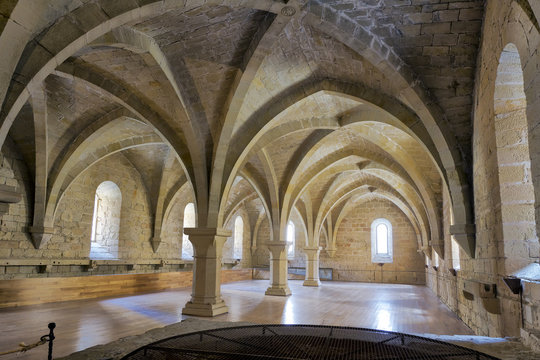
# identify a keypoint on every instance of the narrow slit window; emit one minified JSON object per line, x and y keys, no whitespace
{"x":455,"y":254}
{"x":238,"y":237}
{"x":189,"y":222}
{"x":290,"y":239}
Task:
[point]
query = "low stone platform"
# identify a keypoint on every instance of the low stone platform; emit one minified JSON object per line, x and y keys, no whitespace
{"x":503,"y":348}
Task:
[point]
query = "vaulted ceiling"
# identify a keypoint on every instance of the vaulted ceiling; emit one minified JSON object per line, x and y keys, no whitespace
{"x":307,"y":104}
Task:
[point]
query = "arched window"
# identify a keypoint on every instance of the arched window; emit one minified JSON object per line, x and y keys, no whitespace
{"x":189,"y":222}
{"x":435,"y":259}
{"x":290,"y":239}
{"x":238,"y":237}
{"x":106,"y":221}
{"x":381,"y":241}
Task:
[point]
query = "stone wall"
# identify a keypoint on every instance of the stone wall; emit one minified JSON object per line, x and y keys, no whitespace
{"x":228,"y":248}
{"x":261,"y":256}
{"x":173,"y":225}
{"x":505,"y":240}
{"x":352,"y":261}
{"x":73,"y":220}
{"x":70,"y":243}
{"x":14,"y":239}
{"x":106,"y":221}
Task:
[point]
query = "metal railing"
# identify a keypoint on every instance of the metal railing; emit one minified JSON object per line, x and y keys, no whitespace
{"x":48,"y":338}
{"x":302,"y":342}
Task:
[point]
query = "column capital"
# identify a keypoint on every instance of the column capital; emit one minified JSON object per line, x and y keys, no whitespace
{"x":41,"y":235}
{"x":331,"y":252}
{"x":155,"y":242}
{"x":207,"y":232}
{"x":277,"y":249}
{"x":276,"y":243}
{"x":465,"y":235}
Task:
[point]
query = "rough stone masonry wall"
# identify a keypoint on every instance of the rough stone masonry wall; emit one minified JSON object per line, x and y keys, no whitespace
{"x":504,"y":23}
{"x":14,"y":240}
{"x":352,"y":261}
{"x":173,"y":225}
{"x":228,"y":247}
{"x":442,"y":282}
{"x":261,"y":256}
{"x":73,"y":223}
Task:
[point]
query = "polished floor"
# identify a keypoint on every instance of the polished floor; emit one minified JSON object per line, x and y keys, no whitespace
{"x":81,"y":324}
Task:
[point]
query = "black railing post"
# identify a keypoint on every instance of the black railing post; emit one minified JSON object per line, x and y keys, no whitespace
{"x":51,"y":338}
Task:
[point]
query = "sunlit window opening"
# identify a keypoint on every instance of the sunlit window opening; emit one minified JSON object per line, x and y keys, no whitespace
{"x":106,"y":222}
{"x":238,"y":237}
{"x":189,"y":222}
{"x":381,"y":241}
{"x":435,"y":259}
{"x":455,"y":254}
{"x":290,"y":239}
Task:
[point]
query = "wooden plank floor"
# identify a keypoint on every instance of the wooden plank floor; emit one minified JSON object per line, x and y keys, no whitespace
{"x":85,"y":323}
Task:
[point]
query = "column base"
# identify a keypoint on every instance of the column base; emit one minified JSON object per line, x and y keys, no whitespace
{"x":315,"y":283}
{"x":278,"y":291}
{"x":208,"y":310}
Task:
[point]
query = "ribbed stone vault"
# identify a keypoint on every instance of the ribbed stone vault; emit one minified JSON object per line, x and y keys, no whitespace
{"x":309,"y":111}
{"x":259,"y":92}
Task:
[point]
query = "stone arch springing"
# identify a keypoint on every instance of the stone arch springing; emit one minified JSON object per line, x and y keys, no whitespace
{"x":238,"y":237}
{"x":189,"y":222}
{"x":104,"y":238}
{"x":514,"y":164}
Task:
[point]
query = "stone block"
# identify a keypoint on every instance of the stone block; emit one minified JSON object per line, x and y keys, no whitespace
{"x":417,"y":18}
{"x":435,"y":50}
{"x":445,"y":39}
{"x":436,"y":28}
{"x":471,"y":14}
{"x":445,"y":15}
{"x":472,"y":26}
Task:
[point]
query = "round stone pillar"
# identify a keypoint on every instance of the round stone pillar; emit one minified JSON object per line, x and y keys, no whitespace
{"x":278,"y":269}
{"x":312,"y":266}
{"x":207,"y":252}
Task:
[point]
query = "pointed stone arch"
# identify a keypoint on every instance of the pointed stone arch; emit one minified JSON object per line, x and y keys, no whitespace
{"x":517,"y":197}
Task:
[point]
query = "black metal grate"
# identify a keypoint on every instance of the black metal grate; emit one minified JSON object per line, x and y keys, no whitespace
{"x":302,"y":342}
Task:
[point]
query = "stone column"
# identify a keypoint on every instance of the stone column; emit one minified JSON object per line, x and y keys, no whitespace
{"x":207,"y":251}
{"x":278,"y":269}
{"x":312,"y":266}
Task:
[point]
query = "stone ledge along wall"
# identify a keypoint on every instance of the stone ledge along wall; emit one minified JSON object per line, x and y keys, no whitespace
{"x":352,"y":261}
